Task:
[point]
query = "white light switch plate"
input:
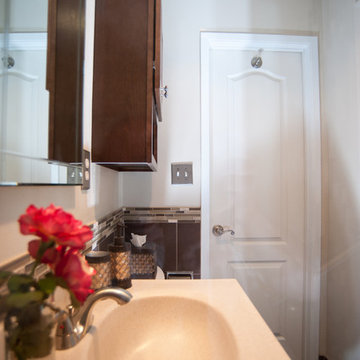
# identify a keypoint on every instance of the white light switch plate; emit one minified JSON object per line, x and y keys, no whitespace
{"x":181,"y":173}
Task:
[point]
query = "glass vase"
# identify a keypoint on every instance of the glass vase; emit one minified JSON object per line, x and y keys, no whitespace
{"x":29,"y":334}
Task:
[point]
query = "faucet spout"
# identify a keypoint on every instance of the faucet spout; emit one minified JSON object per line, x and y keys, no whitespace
{"x":73,"y":327}
{"x":83,"y":317}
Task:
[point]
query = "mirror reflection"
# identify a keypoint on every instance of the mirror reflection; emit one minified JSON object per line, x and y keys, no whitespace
{"x":25,"y":99}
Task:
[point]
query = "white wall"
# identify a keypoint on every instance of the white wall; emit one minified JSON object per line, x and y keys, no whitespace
{"x":28,"y":15}
{"x":180,"y":133}
{"x":340,"y":64}
{"x":103,"y":197}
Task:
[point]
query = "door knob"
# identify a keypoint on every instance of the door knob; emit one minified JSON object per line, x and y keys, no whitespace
{"x":219,"y":230}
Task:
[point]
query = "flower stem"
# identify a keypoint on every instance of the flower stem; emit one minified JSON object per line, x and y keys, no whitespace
{"x":36,"y":263}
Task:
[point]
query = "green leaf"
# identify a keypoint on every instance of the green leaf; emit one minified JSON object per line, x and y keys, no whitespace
{"x":20,"y":283}
{"x":4,"y":276}
{"x":19,"y":300}
{"x":47,"y":284}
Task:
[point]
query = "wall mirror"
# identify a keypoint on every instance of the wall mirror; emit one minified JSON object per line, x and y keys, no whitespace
{"x":41,"y":86}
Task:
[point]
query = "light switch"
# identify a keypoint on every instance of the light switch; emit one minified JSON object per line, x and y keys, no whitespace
{"x":181,"y":173}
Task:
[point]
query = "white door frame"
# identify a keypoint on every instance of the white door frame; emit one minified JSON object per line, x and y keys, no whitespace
{"x":307,"y":47}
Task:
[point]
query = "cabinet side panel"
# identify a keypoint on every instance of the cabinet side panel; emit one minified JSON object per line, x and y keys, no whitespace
{"x":158,"y":58}
{"x":149,"y":78}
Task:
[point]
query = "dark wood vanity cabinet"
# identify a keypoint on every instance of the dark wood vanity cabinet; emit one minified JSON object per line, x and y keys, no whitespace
{"x":126,"y":103}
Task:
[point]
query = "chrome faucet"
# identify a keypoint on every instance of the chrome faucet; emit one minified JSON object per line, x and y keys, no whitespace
{"x":72,"y":326}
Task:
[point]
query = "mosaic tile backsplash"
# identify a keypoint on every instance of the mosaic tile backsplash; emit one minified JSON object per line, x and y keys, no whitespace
{"x":104,"y":230}
{"x":167,"y":215}
{"x":174,"y":230}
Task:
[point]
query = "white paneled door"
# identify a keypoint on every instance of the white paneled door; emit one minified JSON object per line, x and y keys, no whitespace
{"x":256,"y":121}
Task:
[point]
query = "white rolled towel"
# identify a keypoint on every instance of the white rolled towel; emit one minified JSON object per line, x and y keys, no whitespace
{"x":138,"y":240}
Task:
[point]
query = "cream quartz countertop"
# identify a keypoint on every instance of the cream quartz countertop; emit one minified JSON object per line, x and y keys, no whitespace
{"x":179,"y":319}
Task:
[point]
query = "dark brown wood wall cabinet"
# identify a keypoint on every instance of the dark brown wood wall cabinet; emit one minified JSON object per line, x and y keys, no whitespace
{"x":126,"y":73}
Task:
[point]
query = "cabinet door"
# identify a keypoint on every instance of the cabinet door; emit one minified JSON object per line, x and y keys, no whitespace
{"x":65,"y":55}
{"x":122,"y":135}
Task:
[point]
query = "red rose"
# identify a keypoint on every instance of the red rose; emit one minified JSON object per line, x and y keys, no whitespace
{"x":55,"y":224}
{"x":76,"y":272}
{"x":50,"y":255}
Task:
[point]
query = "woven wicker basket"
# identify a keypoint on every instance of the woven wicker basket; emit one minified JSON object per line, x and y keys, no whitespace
{"x":143,"y":262}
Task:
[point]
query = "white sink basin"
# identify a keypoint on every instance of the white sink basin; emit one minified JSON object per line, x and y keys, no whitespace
{"x":165,"y":328}
{"x":178,"y":320}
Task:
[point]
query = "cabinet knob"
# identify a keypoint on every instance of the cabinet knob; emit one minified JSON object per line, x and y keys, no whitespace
{"x":164,"y":92}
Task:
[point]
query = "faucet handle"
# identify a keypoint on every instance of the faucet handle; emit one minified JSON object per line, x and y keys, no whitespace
{"x":72,"y":312}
